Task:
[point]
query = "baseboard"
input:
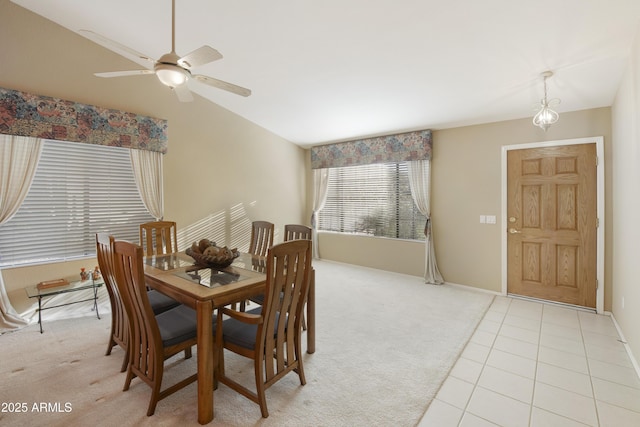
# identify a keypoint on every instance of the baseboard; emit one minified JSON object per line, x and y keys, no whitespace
{"x":634,"y":362}
{"x":473,"y":288}
{"x":556,"y":303}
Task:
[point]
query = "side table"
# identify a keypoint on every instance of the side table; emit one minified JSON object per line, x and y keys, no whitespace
{"x":34,"y":292}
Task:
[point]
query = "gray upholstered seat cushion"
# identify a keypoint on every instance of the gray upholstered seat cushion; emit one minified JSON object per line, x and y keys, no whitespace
{"x":177,"y":324}
{"x":160,"y":302}
{"x":240,"y":333}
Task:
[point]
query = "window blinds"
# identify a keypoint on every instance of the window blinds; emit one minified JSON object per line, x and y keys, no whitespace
{"x":78,"y":190}
{"x":372,"y":200}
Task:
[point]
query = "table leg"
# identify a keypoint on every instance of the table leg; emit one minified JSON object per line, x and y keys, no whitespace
{"x":40,"y":312}
{"x":311,"y":314}
{"x":205,"y":361}
{"x":95,"y":299}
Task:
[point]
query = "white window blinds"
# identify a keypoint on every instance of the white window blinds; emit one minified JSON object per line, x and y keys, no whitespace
{"x":372,"y":200}
{"x":78,"y":190}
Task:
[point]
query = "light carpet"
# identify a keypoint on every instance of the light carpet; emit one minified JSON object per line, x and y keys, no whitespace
{"x":385,"y":343}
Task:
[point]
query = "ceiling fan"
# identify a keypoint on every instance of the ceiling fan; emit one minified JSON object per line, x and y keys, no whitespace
{"x":172,"y":70}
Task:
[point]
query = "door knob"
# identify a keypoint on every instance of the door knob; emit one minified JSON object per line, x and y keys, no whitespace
{"x":514,"y":231}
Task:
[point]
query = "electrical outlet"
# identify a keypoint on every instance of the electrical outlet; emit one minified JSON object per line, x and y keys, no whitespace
{"x":483,"y":219}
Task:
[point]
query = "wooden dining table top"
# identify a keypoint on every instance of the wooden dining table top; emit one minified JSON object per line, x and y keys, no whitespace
{"x":178,"y":276}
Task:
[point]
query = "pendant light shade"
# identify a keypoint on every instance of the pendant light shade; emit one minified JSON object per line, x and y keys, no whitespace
{"x":546,"y":116}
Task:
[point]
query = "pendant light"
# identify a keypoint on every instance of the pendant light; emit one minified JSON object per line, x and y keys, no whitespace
{"x":546,"y":116}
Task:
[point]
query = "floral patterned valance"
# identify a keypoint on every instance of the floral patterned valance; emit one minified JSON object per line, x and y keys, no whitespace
{"x":391,"y":148}
{"x":25,"y":114}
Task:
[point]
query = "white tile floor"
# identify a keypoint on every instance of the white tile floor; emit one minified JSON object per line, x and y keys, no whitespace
{"x":534,"y":364}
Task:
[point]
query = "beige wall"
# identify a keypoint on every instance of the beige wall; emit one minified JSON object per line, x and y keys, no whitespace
{"x":625,"y":234}
{"x":466,"y":183}
{"x":401,"y":256}
{"x":218,"y":163}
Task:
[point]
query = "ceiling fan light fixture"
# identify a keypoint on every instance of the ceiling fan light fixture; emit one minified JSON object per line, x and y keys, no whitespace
{"x":546,"y":116}
{"x":171,"y":75}
{"x":172,"y":70}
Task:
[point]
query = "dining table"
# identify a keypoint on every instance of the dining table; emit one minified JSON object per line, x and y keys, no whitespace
{"x":205,"y":289}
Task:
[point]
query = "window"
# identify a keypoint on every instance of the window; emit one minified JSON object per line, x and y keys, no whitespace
{"x":372,"y":200}
{"x":78,"y":190}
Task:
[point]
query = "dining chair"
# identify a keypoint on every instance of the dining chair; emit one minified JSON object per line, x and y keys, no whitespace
{"x":291,"y":232}
{"x":119,"y":334}
{"x":270,"y":334}
{"x":152,"y":338}
{"x":158,"y":237}
{"x":261,"y":237}
{"x":296,"y":231}
{"x":261,"y":241}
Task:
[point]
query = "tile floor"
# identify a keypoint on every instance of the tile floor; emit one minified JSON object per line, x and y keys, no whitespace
{"x":535,"y":364}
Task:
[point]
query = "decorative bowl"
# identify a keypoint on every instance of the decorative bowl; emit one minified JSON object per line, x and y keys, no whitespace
{"x":223,"y":259}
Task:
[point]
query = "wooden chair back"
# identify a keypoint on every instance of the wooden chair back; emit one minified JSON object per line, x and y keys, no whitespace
{"x":147,"y":351}
{"x":288,"y":269}
{"x":119,"y":325}
{"x":277,"y":349}
{"x":145,"y":343}
{"x":296,"y":232}
{"x":261,"y":237}
{"x":158,"y":237}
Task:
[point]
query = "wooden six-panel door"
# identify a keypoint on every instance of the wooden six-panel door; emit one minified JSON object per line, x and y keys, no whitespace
{"x":552,"y":223}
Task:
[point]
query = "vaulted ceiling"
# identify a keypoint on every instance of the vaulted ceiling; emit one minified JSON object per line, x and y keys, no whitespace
{"x":332,"y":70}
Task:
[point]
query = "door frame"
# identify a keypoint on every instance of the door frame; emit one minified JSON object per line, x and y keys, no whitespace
{"x":599,"y":142}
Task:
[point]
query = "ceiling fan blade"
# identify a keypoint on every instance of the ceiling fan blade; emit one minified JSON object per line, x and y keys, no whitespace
{"x":124,"y":73}
{"x":121,"y":49}
{"x":229,"y":87}
{"x":183,"y":93}
{"x":202,"y":55}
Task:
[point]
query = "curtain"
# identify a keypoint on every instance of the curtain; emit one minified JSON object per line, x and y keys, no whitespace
{"x":147,"y":170}
{"x":320,"y":184}
{"x":420,"y":184}
{"x":19,"y":158}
